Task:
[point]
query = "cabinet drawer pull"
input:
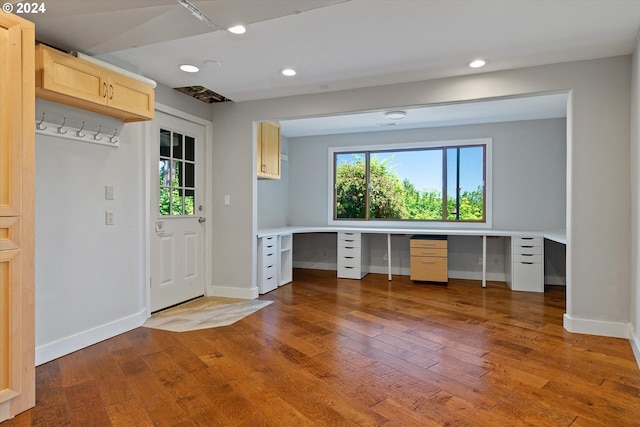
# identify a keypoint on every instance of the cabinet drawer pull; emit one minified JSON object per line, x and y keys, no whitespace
{"x":348,"y":247}
{"x":349,"y":257}
{"x":527,"y":246}
{"x":112,"y":91}
{"x":346,"y":266}
{"x":428,"y":252}
{"x":527,"y":238}
{"x":269,"y":278}
{"x":428,"y":262}
{"x":526,"y":263}
{"x":104,"y":90}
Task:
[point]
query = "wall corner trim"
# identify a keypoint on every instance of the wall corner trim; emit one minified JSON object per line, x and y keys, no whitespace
{"x":597,"y":327}
{"x":66,"y":345}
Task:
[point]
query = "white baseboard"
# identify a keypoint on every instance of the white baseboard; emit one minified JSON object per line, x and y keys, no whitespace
{"x":233,"y":292}
{"x":477,"y":275}
{"x":80,"y":340}
{"x":555,"y":280}
{"x":597,"y":327}
{"x":635,"y":344}
{"x":310,"y":265}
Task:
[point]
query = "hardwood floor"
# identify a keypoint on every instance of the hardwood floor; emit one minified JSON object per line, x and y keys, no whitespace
{"x":332,"y":352}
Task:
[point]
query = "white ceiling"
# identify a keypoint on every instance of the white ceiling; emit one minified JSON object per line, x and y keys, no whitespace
{"x":336,"y":44}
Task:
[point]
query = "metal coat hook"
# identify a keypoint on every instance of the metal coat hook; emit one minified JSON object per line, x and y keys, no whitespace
{"x":79,"y":133}
{"x":96,"y":137}
{"x":39,"y":125}
{"x":59,"y":130}
{"x":113,"y":139}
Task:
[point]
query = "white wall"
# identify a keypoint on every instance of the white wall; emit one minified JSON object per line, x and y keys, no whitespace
{"x":599,"y":242}
{"x":529,"y":170}
{"x":90,"y":277}
{"x":273,"y":194}
{"x":635,"y":202}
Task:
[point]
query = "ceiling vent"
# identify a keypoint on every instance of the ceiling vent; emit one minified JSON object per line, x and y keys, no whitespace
{"x":203,"y":94}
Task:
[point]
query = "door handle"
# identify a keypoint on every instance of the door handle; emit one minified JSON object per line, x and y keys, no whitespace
{"x":201,"y":219}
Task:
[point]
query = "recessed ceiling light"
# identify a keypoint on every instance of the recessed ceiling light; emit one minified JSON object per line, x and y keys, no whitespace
{"x":238,"y":29}
{"x":477,"y":63}
{"x":188,"y":68}
{"x":288,"y":72}
{"x":395,"y":115}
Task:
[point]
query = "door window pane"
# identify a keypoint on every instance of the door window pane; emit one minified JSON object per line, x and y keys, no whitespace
{"x":189,"y":148}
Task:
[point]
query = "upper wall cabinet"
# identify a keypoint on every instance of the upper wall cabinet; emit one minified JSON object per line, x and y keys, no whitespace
{"x":65,"y":79}
{"x":268,"y":150}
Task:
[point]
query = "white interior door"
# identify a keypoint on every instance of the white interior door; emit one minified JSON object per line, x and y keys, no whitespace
{"x":177,"y":203}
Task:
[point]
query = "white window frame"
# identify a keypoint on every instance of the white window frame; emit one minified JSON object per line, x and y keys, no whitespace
{"x":436,"y":224}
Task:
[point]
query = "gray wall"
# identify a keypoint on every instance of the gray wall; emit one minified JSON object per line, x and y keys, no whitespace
{"x":599,"y":243}
{"x":529,"y":170}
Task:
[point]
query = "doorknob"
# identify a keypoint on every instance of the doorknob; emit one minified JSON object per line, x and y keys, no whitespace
{"x":201,"y":220}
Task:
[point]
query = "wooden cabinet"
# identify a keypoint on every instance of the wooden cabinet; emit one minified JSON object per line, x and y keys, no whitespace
{"x":17,"y":160}
{"x":429,"y":259}
{"x":524,"y":264}
{"x":353,"y":255}
{"x":71,"y":81}
{"x":268,"y":150}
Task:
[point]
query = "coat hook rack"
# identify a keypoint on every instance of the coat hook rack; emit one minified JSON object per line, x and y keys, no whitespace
{"x":97,"y":136}
{"x":39,"y":125}
{"x":113,"y":139}
{"x":87,"y":128}
{"x":79,"y":133}
{"x":59,"y":130}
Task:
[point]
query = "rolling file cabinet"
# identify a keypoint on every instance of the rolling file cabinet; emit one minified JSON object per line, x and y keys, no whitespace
{"x":429,"y":258}
{"x":267,"y":264}
{"x":353,"y":255}
{"x":524,"y":264}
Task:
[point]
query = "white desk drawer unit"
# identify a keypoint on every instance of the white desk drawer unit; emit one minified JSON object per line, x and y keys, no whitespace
{"x":267,"y":264}
{"x":353,"y":255}
{"x":527,"y":264}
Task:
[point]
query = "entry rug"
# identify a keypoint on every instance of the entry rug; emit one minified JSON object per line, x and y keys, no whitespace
{"x":203,"y":313}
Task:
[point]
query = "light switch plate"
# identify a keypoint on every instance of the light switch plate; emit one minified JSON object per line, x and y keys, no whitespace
{"x":108,"y":192}
{"x":108,"y":217}
{"x":227,"y":200}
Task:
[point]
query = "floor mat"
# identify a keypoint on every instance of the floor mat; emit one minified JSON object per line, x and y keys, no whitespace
{"x":207,"y":312}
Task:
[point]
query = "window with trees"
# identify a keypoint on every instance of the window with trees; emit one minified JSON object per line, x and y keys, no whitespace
{"x":428,"y":183}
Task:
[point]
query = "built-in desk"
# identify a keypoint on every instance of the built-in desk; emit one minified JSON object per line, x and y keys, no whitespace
{"x":556,"y":236}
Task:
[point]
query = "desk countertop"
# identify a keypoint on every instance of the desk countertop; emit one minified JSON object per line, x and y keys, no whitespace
{"x":556,"y":236}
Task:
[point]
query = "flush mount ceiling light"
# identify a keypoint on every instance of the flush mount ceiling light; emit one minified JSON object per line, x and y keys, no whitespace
{"x":188,"y":68}
{"x":238,"y":29}
{"x":477,"y":63}
{"x":395,"y":115}
{"x":289,"y":72}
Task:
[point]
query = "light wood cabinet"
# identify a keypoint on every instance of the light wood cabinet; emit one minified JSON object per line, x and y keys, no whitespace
{"x":268,"y":145}
{"x":17,"y":160}
{"x":429,"y":260}
{"x":65,"y":79}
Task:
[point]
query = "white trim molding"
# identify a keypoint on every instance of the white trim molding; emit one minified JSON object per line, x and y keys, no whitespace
{"x":634,"y":338}
{"x":597,"y":327}
{"x":234,"y":292}
{"x":80,"y":340}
